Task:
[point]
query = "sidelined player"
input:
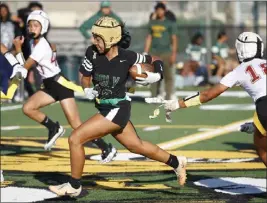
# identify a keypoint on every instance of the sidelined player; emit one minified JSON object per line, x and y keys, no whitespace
{"x":251,"y":75}
{"x":108,"y":66}
{"x":44,"y":57}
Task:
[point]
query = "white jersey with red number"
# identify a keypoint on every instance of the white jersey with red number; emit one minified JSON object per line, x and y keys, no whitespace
{"x":46,"y":59}
{"x":251,"y":76}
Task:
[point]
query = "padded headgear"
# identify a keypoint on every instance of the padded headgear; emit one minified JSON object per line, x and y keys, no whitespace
{"x":42,"y":18}
{"x":249,"y":45}
{"x":108,"y":29}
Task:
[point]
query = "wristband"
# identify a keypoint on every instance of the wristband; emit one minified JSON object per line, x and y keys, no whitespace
{"x":193,"y":100}
{"x":11,"y":59}
{"x":158,"y":66}
{"x":20,"y":58}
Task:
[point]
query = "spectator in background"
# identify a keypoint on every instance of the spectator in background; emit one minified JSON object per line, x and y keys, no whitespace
{"x":9,"y":30}
{"x":168,"y":14}
{"x":220,"y":53}
{"x":195,"y":71}
{"x":105,"y":10}
{"x":161,"y":41}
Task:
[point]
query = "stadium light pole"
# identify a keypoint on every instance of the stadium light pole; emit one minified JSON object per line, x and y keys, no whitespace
{"x":208,"y":38}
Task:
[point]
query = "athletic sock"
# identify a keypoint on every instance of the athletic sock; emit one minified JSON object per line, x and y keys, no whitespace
{"x":173,"y":161}
{"x":101,"y":144}
{"x":47,"y":122}
{"x":75,"y":183}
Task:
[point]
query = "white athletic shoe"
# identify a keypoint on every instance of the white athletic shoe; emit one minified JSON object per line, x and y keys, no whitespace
{"x":53,"y":136}
{"x":247,"y":127}
{"x":65,"y":189}
{"x":108,"y":154}
{"x":181,"y":170}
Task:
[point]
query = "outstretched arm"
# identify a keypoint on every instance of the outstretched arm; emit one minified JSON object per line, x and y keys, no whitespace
{"x":193,"y":100}
{"x":202,"y":97}
{"x":226,"y":82}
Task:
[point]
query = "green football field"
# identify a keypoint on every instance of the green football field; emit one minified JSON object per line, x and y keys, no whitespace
{"x":223,"y":166}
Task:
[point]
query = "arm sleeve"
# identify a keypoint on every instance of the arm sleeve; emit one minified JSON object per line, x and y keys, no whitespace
{"x":86,"y":67}
{"x":38,"y":52}
{"x":230,"y":79}
{"x":135,"y":58}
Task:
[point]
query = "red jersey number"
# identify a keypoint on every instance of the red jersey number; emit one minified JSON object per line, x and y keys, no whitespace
{"x":254,"y":76}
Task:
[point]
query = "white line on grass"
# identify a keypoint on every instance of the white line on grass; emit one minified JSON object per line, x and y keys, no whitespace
{"x":16,"y":127}
{"x":197,"y":137}
{"x":229,"y":107}
{"x":240,"y":94}
{"x":10,"y":108}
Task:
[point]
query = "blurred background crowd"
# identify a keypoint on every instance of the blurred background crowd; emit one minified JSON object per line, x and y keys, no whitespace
{"x":194,"y":39}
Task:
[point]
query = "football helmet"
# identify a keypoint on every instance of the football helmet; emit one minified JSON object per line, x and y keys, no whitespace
{"x":109,"y":30}
{"x":41,"y":17}
{"x":249,"y":45}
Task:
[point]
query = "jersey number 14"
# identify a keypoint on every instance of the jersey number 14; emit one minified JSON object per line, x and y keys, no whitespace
{"x":254,"y":76}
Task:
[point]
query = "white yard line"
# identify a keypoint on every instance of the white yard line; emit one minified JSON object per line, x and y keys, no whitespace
{"x":197,"y":137}
{"x":10,"y":108}
{"x":15,"y":127}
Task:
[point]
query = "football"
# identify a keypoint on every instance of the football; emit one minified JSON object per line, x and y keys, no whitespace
{"x":138,"y":70}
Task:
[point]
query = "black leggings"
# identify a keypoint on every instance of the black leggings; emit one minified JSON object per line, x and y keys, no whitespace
{"x":261,"y":109}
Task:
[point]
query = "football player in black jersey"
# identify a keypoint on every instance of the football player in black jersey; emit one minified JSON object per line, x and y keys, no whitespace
{"x":107,"y":65}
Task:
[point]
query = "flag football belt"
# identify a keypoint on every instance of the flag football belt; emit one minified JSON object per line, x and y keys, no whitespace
{"x":68,"y":84}
{"x":77,"y":88}
{"x":113,"y":101}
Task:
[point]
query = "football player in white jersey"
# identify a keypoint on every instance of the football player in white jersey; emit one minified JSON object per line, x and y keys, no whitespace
{"x":43,"y":56}
{"x":251,"y":75}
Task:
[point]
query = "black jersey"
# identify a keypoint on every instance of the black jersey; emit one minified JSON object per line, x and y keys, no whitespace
{"x":110,"y":77}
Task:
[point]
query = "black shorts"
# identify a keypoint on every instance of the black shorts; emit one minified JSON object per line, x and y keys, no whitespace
{"x":119,"y":115}
{"x":56,"y":90}
{"x":261,"y":110}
